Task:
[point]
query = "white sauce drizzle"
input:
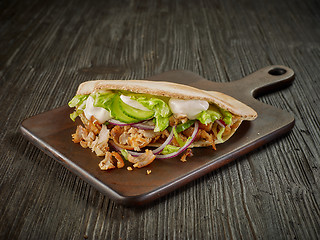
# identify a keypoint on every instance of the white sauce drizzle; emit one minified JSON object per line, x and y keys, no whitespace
{"x":189,"y":108}
{"x":101,"y":114}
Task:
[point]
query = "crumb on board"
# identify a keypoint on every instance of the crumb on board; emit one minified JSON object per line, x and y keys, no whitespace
{"x":186,"y":154}
{"x":129,"y":168}
{"x":148,"y":172}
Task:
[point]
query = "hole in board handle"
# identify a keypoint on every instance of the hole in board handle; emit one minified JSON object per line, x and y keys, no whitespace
{"x":277,"y":71}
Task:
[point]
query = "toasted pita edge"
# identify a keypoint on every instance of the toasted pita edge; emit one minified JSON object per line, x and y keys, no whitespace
{"x":173,"y":90}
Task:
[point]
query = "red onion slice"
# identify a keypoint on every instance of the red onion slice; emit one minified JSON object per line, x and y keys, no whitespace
{"x":186,"y":145}
{"x":221,"y":123}
{"x":134,"y":154}
{"x":168,"y":141}
{"x":115,"y":146}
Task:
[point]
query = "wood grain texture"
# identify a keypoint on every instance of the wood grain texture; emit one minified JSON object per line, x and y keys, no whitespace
{"x":49,"y":47}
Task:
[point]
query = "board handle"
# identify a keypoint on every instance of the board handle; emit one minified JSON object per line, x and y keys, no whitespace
{"x":266,"y":80}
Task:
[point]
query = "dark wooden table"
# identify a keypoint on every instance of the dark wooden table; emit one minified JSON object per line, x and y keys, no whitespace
{"x":49,"y":47}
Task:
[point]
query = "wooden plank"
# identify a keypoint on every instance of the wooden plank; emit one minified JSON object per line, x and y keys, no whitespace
{"x":49,"y":47}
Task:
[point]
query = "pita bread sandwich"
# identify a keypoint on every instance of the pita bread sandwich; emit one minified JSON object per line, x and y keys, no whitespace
{"x":141,"y":120}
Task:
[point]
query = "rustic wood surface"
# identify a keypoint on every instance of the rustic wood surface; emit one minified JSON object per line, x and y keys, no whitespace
{"x":49,"y":47}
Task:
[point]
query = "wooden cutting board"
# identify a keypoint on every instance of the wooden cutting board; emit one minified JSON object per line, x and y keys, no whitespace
{"x":51,"y":132}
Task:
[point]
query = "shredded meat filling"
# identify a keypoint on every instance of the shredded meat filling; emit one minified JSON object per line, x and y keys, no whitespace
{"x":109,"y":163}
{"x":100,"y":144}
{"x":92,"y":125}
{"x":96,"y":137}
{"x":132,"y":138}
{"x":80,"y":134}
{"x":142,"y":160}
{"x":208,"y":137}
{"x":188,"y":153}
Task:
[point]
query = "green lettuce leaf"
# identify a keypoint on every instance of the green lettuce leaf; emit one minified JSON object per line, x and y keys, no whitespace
{"x":213,"y":114}
{"x":75,"y":114}
{"x":77,"y":100}
{"x":161,"y":123}
{"x":179,"y":140}
{"x":124,"y":153}
{"x":103,"y":100}
{"x":160,"y":107}
{"x":227,"y":116}
{"x":169,"y":149}
{"x":219,"y":135}
{"x":209,"y":116}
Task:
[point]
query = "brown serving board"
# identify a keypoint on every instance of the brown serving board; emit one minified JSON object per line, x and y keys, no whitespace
{"x":51,"y":132}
